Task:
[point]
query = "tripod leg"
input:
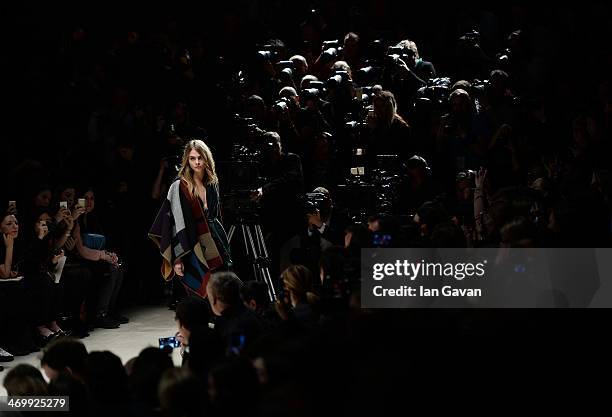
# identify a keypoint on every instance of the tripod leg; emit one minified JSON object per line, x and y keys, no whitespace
{"x":262,"y":268}
{"x":261,"y":239}
{"x":261,"y":244}
{"x":232,"y":229}
{"x":248,"y":248}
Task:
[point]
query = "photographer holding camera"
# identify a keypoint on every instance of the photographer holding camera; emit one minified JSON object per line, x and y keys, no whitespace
{"x":283,"y":114}
{"x":324,"y":228}
{"x":319,"y":209}
{"x":278,"y":196}
{"x":399,"y":71}
{"x":310,"y":119}
{"x":424,"y":70}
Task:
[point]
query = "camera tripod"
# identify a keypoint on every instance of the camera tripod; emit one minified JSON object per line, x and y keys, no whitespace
{"x":255,"y":248}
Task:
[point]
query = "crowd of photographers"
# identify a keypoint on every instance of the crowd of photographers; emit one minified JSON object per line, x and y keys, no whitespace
{"x":355,"y":140}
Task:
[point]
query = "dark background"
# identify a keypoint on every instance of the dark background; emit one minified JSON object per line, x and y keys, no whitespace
{"x":47,"y":117}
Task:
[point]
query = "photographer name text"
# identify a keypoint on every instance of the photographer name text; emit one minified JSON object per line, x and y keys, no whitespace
{"x":411,"y":271}
{"x":420,"y":291}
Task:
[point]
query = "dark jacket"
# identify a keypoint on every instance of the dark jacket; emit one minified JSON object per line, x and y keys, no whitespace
{"x":280,"y":194}
{"x":238,"y":326}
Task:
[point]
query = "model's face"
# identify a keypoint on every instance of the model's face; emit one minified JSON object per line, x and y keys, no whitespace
{"x":196,"y":161}
{"x":10,"y":226}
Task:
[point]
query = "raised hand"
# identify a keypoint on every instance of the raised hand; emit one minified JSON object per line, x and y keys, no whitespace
{"x":8,"y":240}
{"x":55,"y":259}
{"x":69,"y":222}
{"x":76,"y":213}
{"x":480,"y":177}
{"x":41,"y":229}
{"x":62,"y":214}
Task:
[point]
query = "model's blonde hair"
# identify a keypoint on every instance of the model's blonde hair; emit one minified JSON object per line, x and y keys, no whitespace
{"x":186,"y":173}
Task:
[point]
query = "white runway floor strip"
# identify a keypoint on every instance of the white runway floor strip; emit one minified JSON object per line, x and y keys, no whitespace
{"x":146,"y":325}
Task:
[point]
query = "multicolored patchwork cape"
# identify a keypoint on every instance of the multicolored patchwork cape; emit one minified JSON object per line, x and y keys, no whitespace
{"x":182,"y":233}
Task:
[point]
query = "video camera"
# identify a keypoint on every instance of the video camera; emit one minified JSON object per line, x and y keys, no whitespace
{"x":247,"y":131}
{"x":268,"y":52}
{"x":282,"y":105}
{"x":338,"y":80}
{"x":237,"y":180}
{"x":319,"y":85}
{"x":281,"y":65}
{"x":265,"y":55}
{"x":311,"y":202}
{"x":480,"y":87}
{"x":470,"y":39}
{"x":376,"y":52}
{"x":330,"y":51}
{"x":436,"y":91}
{"x":370,"y":74}
{"x":309,"y":94}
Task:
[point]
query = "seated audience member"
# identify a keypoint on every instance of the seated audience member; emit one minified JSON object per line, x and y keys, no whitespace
{"x":78,"y":274}
{"x":42,"y":270}
{"x":206,"y":347}
{"x":25,"y":380}
{"x":107,"y":383}
{"x":428,"y":217}
{"x":338,"y":279}
{"x":66,"y":355}
{"x":298,"y":300}
{"x":356,"y":237}
{"x":233,"y":387}
{"x":147,"y":370}
{"x":255,"y":296}
{"x":16,"y":328}
{"x":192,"y":312}
{"x":236,"y":324}
{"x":68,"y":385}
{"x":180,"y":394}
{"x":107,"y":277}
